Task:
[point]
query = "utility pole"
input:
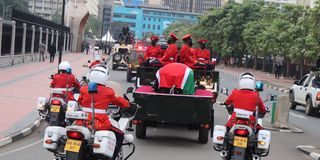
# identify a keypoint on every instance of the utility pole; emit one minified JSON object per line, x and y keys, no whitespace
{"x":62,"y":25}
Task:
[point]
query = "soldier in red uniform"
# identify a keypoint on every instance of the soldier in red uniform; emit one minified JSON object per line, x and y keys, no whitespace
{"x":97,"y":59}
{"x":185,"y":53}
{"x":203,"y":55}
{"x":64,"y":81}
{"x":153,"y":52}
{"x":171,"y":53}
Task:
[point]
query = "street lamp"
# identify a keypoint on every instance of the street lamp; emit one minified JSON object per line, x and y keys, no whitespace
{"x":62,"y":24}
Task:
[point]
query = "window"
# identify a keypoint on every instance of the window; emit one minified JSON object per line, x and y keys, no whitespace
{"x":149,"y":19}
{"x":144,"y":18}
{"x":159,"y":20}
{"x":154,"y":27}
{"x":144,"y":26}
{"x":158,"y":27}
{"x":154,"y":19}
{"x":148,"y":26}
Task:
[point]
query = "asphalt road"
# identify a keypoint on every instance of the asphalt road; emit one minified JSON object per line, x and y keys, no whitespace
{"x":180,"y":143}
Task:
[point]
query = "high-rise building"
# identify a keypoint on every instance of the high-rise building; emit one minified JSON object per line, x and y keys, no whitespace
{"x":193,"y":6}
{"x":133,"y":2}
{"x":45,"y":8}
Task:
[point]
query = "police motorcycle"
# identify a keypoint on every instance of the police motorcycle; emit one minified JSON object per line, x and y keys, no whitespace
{"x":53,"y":109}
{"x":243,"y":142}
{"x":77,"y":142}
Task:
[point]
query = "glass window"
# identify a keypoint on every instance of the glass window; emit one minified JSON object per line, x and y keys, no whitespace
{"x":154,"y":19}
{"x":144,"y":18}
{"x":159,"y":20}
{"x":144,"y":26}
{"x":149,"y":19}
{"x":154,"y":27}
{"x":158,"y":27}
{"x":148,"y":26}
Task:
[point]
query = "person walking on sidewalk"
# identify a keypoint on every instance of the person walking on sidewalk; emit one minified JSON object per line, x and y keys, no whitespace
{"x":42,"y":50}
{"x":52,"y":51}
{"x":277,"y":70}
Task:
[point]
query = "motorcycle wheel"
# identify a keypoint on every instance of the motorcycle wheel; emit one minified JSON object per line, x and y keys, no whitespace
{"x":203,"y":135}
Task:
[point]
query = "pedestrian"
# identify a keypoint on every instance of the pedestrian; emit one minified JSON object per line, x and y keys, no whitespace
{"x":86,"y":47}
{"x":42,"y":50}
{"x":52,"y":51}
{"x":109,"y":48}
{"x":277,"y":70}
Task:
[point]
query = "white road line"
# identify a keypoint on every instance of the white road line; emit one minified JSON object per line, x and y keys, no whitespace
{"x":21,"y":148}
{"x":298,"y":116}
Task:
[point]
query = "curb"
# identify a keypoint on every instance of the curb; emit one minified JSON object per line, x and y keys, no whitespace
{"x":20,"y":134}
{"x":283,"y":89}
{"x":289,"y":130}
{"x":313,"y":155}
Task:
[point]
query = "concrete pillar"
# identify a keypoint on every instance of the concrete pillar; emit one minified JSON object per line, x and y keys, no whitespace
{"x":57,"y":40}
{"x":1,"y":25}
{"x":13,"y":40}
{"x":52,"y":36}
{"x":64,"y":42}
{"x":33,"y":27}
{"x":24,"y":41}
{"x":40,"y":38}
{"x":282,"y":112}
{"x":47,"y":39}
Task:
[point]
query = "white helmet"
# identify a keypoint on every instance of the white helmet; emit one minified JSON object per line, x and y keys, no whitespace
{"x":64,"y":65}
{"x":247,"y":81}
{"x":97,"y":57}
{"x":99,"y":75}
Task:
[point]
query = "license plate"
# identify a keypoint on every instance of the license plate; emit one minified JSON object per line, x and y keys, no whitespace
{"x":73,"y":145}
{"x":240,"y":142}
{"x":133,"y":71}
{"x":55,"y":108}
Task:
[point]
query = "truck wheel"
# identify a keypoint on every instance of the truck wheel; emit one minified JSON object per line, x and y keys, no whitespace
{"x":114,"y":67}
{"x":309,"y":108}
{"x":293,"y":104}
{"x":203,"y":135}
{"x":129,"y":78}
{"x":141,"y":129}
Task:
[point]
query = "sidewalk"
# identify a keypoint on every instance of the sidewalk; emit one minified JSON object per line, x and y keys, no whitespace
{"x":21,"y":85}
{"x":283,"y":84}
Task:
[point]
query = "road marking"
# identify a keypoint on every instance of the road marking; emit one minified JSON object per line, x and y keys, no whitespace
{"x":21,"y":148}
{"x":298,"y":116}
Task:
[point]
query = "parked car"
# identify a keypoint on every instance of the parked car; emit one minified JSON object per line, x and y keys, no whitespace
{"x":304,"y":93}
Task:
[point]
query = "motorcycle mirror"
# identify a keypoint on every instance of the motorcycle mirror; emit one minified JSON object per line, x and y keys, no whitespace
{"x":51,"y":76}
{"x":129,"y":90}
{"x":267,"y":108}
{"x":129,"y":138}
{"x":69,"y":71}
{"x":84,"y":78}
{"x":92,"y":88}
{"x":259,"y":86}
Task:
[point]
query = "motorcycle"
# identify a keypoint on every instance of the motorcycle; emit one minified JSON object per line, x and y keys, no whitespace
{"x":84,"y":143}
{"x":53,"y":109}
{"x":243,"y":141}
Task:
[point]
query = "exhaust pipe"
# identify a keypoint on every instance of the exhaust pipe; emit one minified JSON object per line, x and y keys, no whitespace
{"x":255,"y":157}
{"x":224,"y":154}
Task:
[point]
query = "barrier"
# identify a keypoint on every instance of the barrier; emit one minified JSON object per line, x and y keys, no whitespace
{"x":282,"y":109}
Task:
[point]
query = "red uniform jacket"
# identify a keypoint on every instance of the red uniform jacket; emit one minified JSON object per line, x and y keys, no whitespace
{"x":247,"y":100}
{"x":185,"y":56}
{"x":193,"y":51}
{"x":170,"y":55}
{"x":153,"y":52}
{"x":61,"y":81}
{"x":103,"y":98}
{"x":202,"y":55}
{"x":94,"y":63}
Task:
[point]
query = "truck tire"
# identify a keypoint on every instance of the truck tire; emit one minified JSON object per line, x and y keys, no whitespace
{"x":141,"y":129}
{"x":114,"y":67}
{"x":293,"y":104}
{"x":203,"y":135}
{"x":309,"y":108}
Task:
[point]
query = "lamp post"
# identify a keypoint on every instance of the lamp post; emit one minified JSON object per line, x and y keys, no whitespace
{"x":62,"y":24}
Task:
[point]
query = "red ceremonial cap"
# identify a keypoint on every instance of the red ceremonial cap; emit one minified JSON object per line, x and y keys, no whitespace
{"x":173,"y":36}
{"x":202,"y":41}
{"x":186,"y":36}
{"x":154,"y":38}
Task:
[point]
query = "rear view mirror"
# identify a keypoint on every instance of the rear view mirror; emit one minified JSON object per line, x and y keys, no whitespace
{"x":89,"y":61}
{"x":259,"y":86}
{"x":84,"y":78}
{"x":296,"y":82}
{"x":129,"y":90}
{"x":51,"y":76}
{"x":69,"y":71}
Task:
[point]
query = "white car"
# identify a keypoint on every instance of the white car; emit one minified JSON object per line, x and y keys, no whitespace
{"x":305,"y":93}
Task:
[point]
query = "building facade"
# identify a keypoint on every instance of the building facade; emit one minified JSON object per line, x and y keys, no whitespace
{"x":193,"y":6}
{"x":45,"y":8}
{"x":146,"y":21}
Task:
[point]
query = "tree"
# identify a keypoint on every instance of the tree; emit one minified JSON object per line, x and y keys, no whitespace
{"x":93,"y":26}
{"x":21,"y":5}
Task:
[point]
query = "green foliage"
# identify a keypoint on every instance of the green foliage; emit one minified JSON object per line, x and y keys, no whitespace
{"x":21,"y":5}
{"x":93,"y":27}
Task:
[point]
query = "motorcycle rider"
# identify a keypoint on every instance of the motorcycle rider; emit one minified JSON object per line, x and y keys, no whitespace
{"x":203,"y":55}
{"x":175,"y":78}
{"x":244,"y":99}
{"x":185,"y":52}
{"x":171,"y":52}
{"x":153,"y":51}
{"x":64,"y":80}
{"x":97,"y":59}
{"x":102,"y":99}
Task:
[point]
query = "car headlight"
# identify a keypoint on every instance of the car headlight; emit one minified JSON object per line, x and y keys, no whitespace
{"x":117,"y":57}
